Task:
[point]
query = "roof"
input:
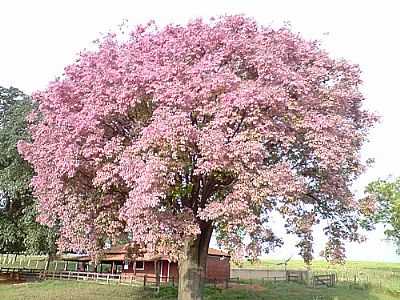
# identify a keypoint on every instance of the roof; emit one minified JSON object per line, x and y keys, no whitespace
{"x":119,"y":253}
{"x":217,"y":252}
{"x":118,"y":249}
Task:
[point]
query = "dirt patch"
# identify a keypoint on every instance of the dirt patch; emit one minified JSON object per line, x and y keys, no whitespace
{"x":252,"y":287}
{"x":6,"y":279}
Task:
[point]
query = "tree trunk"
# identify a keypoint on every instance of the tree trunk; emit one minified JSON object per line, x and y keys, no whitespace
{"x":192,"y":266}
{"x":157,"y":269}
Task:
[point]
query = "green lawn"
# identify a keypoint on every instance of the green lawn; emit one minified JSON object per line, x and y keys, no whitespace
{"x":68,"y":290}
{"x":377,"y":274}
{"x":324,"y":265}
{"x":373,"y":277}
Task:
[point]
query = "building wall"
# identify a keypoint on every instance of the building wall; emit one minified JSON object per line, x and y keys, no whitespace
{"x":148,"y":268}
{"x":173,"y":271}
{"x":218,"y":268}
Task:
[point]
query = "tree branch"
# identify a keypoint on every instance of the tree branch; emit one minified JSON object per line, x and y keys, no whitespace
{"x":243,"y":116}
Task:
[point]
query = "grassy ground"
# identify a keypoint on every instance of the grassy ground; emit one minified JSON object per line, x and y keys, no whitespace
{"x":376,"y":274}
{"x":368,"y":277}
{"x":323,"y":265}
{"x":68,"y":290}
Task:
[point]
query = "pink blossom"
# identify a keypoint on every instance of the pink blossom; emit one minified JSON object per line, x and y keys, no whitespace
{"x":216,"y":123}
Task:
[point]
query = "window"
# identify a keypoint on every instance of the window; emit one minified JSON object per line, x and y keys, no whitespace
{"x":118,"y":268}
{"x":139,"y":265}
{"x":126,"y":265}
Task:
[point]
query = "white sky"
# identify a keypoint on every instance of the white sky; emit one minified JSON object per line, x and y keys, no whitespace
{"x":39,"y":38}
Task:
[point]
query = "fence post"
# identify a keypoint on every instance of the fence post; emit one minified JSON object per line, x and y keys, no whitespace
{"x":144,"y":280}
{"x":173,"y":281}
{"x":108,"y":278}
{"x":158,"y":283}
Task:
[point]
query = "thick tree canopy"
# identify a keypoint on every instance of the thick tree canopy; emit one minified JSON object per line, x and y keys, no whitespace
{"x":183,"y":130}
{"x":384,"y":200}
{"x":19,"y":231}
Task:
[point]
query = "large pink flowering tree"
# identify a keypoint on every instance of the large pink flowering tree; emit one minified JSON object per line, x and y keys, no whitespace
{"x":179,"y":133}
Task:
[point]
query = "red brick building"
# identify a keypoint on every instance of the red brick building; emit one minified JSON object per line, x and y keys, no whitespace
{"x":116,"y":260}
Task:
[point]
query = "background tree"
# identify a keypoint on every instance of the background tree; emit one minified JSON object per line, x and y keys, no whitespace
{"x":18,"y":227}
{"x":383,"y":201}
{"x":181,"y":132}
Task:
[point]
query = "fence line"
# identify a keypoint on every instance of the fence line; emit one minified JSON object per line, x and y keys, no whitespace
{"x":270,"y":275}
{"x":145,"y":280}
{"x":102,"y":278}
{"x":328,"y":280}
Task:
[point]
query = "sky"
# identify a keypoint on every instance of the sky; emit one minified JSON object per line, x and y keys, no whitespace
{"x":39,"y":38}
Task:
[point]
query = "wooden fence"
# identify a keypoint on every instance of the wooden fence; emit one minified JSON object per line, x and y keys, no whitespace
{"x":270,"y":275}
{"x":108,"y":278}
{"x":299,"y":276}
{"x":23,"y":261}
{"x":147,"y":281}
{"x":296,"y":276}
{"x":102,"y":278}
{"x":20,"y":273}
{"x":328,"y":280}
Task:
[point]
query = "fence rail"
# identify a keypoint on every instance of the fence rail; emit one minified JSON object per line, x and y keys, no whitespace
{"x":103,"y":278}
{"x":108,"y":278}
{"x":270,"y":275}
{"x":145,"y":280}
{"x":328,"y":280}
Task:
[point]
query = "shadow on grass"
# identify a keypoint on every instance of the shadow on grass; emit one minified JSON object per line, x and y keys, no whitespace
{"x":283,"y":291}
{"x":68,"y":290}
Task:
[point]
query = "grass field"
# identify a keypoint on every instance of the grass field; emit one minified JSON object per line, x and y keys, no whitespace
{"x":318,"y":265}
{"x":357,"y":281}
{"x":375,"y":274}
{"x":67,"y":290}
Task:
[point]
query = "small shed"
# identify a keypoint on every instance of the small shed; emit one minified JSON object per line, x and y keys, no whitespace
{"x":116,"y":260}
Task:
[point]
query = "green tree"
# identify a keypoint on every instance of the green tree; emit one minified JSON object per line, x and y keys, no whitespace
{"x":386,"y":196}
{"x":18,"y":227}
